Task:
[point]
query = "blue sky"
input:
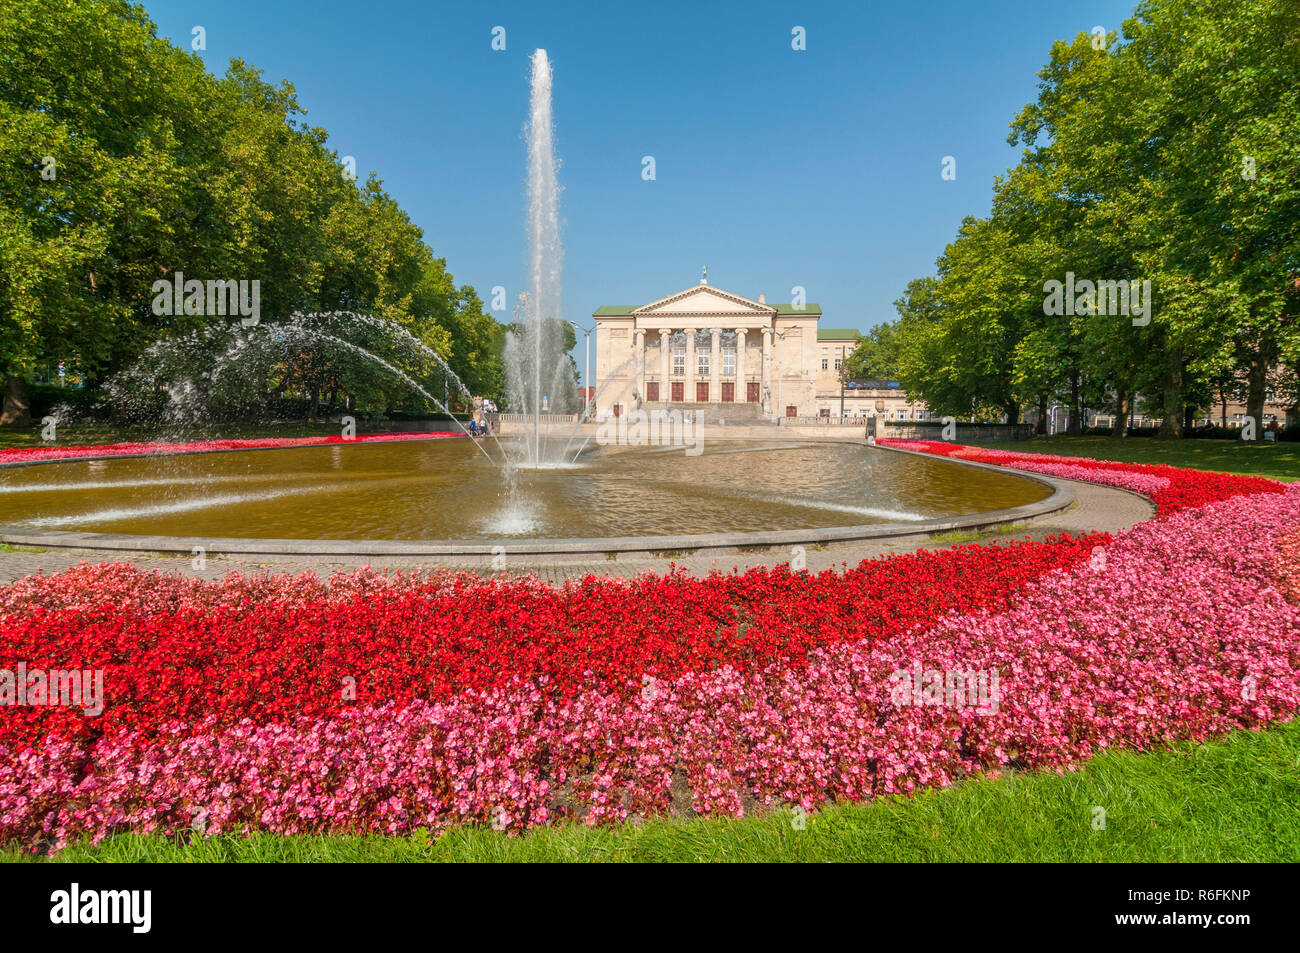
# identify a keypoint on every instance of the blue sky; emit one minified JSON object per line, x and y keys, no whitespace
{"x":775,"y":168}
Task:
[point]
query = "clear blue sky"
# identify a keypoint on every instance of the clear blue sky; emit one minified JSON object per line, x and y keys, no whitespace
{"x":775,"y":168}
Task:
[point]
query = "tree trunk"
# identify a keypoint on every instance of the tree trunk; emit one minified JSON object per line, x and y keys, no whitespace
{"x":1257,"y":383}
{"x":1040,"y":427}
{"x":1012,"y":410}
{"x":1172,"y":423}
{"x":16,"y":408}
{"x":1119,"y":430}
{"x":1074,"y":427}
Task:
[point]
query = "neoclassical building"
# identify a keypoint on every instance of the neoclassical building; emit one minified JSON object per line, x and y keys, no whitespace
{"x":726,"y":356}
{"x":706,"y":346}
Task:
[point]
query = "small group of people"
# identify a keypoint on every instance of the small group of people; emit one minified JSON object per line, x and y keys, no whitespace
{"x":482,"y":421}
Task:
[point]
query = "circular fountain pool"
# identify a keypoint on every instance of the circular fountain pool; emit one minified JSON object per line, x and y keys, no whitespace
{"x":447,"y":492}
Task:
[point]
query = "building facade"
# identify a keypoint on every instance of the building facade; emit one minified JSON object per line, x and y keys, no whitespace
{"x":706,"y":346}
{"x":841,"y":396}
{"x":724,"y":355}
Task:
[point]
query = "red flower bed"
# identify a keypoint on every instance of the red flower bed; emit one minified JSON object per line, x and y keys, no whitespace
{"x":269,"y":649}
{"x":1182,"y":488}
{"x":33,"y":454}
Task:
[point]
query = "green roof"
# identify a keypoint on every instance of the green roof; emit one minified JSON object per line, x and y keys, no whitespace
{"x":625,"y":310}
{"x":837,"y":334}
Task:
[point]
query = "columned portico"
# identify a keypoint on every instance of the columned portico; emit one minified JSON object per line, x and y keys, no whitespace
{"x":742,"y":388}
{"x":640,"y":365}
{"x":690,"y":364}
{"x":767,"y":368}
{"x":665,"y":343}
{"x":704,"y":335}
{"x":715,"y":365}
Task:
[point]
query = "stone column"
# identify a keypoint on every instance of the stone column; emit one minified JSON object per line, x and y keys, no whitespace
{"x":640,"y":365}
{"x":741,"y":386}
{"x":715,"y":366}
{"x":767,"y":364}
{"x":665,"y":345}
{"x":689,"y":396}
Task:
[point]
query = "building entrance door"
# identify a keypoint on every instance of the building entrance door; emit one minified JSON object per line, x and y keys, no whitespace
{"x":751,"y":392}
{"x":728,"y":392}
{"x":652,"y":391}
{"x":701,"y":392}
{"x":678,"y":388}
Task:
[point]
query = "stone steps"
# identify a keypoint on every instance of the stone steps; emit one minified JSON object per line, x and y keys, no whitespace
{"x":745,"y":413}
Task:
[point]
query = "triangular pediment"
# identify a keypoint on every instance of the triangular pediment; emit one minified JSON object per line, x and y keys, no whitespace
{"x":703,"y":299}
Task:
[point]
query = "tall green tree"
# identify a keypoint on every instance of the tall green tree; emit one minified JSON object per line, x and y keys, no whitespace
{"x":1175,"y":137}
{"x":123,"y":161}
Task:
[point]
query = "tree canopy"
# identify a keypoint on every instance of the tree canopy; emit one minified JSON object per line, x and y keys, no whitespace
{"x":123,"y":161}
{"x":1165,"y":153}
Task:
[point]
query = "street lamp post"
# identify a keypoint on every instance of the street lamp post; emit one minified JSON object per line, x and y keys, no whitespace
{"x":780,"y":336}
{"x":588,"y":392}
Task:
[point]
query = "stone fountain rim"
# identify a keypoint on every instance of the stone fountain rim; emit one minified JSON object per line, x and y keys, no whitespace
{"x":1061,"y":497}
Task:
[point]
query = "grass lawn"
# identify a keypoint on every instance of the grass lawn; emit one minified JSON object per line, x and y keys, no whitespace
{"x":1228,"y":800}
{"x":1278,"y":461}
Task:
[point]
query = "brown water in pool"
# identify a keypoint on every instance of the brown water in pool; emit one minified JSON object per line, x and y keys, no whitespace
{"x":446,"y":489}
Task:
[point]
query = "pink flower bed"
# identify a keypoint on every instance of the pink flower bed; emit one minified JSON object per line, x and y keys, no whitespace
{"x":1143,"y":483}
{"x":35,"y":454}
{"x":1286,"y":567}
{"x":1171,"y":488}
{"x":1175,"y":630}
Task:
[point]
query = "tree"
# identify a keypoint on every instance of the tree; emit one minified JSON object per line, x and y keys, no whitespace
{"x":961,"y":361}
{"x":1176,"y":140}
{"x":875,"y":357}
{"x":123,"y":161}
{"x":1166,"y":157}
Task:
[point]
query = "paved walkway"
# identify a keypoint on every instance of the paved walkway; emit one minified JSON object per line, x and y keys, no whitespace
{"x":1096,"y":508}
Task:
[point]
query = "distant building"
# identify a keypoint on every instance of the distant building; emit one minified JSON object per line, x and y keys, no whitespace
{"x":709,"y":349}
{"x":705,"y":346}
{"x":861,"y":397}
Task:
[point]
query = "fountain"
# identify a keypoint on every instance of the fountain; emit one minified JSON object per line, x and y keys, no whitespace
{"x":536,"y":364}
{"x":193,"y":367}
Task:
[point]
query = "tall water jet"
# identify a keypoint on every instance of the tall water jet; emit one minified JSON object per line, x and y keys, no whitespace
{"x":535,"y":361}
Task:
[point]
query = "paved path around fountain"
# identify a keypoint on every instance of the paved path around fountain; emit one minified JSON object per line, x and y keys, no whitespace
{"x":1096,"y":509}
